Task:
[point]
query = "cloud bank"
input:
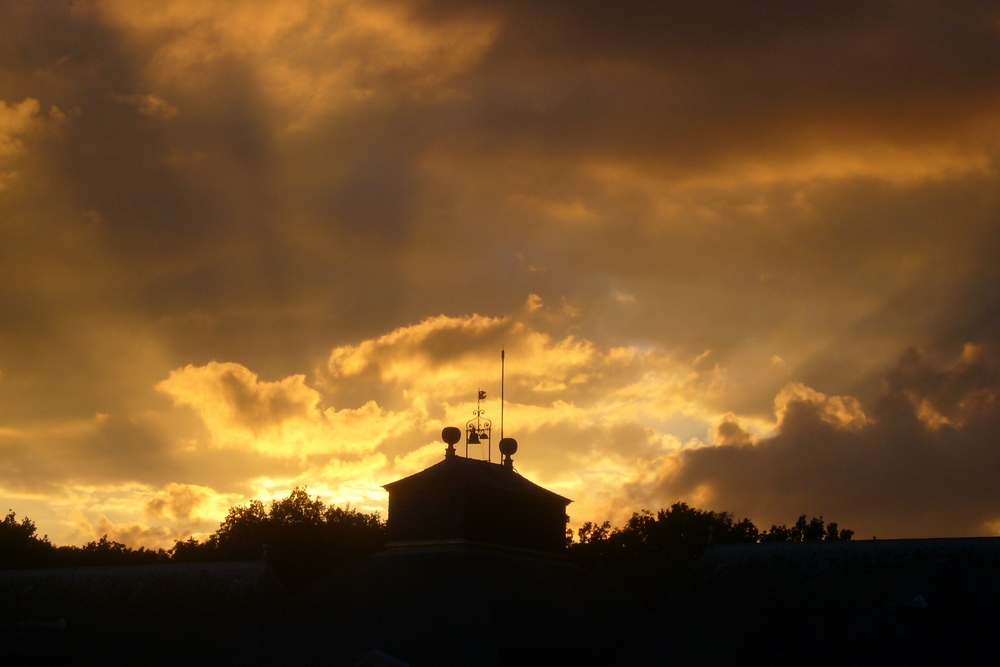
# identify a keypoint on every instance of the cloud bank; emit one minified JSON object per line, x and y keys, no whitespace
{"x":247,"y":247}
{"x":923,"y":462}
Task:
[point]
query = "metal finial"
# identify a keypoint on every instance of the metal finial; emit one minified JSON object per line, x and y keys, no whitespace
{"x":479,"y":429}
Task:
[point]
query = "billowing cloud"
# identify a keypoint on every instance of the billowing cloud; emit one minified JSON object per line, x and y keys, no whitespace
{"x":240,"y":411}
{"x":842,"y":411}
{"x":579,"y":403}
{"x":311,"y":58}
{"x":924,"y":463}
{"x":15,"y":122}
{"x":442,"y":354}
{"x":144,"y":516}
{"x":19,"y":123}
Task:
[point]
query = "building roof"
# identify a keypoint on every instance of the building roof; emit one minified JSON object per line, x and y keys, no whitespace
{"x":459,"y":606}
{"x":181,"y":613}
{"x":864,"y":602}
{"x":457,"y":471}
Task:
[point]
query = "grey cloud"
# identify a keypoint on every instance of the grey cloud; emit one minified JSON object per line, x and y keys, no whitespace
{"x":730,"y":433}
{"x":178,"y":501}
{"x":896,"y":477}
{"x":344,"y":228}
{"x":257,"y":409}
{"x":685,"y":84}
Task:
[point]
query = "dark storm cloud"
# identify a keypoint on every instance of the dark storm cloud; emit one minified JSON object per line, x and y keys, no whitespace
{"x":708,"y":80}
{"x":925,"y":464}
{"x":217,"y":211}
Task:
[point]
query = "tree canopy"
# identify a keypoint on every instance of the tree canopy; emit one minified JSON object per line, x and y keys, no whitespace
{"x":651,"y":552}
{"x":21,"y":547}
{"x":301,"y":538}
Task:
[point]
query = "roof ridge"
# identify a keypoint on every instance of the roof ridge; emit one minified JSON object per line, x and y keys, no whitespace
{"x":461,"y":471}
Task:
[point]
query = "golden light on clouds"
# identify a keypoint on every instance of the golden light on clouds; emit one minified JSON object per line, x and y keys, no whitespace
{"x":743,"y":257}
{"x":310,"y":58}
{"x":16,"y":121}
{"x":569,"y":386}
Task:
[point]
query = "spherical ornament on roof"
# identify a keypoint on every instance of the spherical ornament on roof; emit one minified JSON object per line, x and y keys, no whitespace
{"x":508,"y":446}
{"x":451,"y":435}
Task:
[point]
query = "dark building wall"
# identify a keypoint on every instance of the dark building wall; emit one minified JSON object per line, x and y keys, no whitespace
{"x":426,"y":514}
{"x":479,"y":514}
{"x":516,"y":520}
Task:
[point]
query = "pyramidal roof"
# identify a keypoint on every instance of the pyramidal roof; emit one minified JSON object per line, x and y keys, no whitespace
{"x":457,"y":471}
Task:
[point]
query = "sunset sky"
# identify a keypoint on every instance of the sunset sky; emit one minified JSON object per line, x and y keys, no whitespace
{"x":744,"y":255}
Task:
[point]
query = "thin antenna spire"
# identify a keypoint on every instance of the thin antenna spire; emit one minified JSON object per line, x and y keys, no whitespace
{"x":501,"y":391}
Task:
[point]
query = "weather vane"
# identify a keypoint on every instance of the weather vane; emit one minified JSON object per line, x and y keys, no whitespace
{"x":478,"y":429}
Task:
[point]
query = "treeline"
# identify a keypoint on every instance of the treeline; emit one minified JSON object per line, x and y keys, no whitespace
{"x":651,"y":553}
{"x":21,"y":547}
{"x":301,"y":538}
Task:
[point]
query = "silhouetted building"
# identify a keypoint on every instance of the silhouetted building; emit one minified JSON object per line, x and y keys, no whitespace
{"x":466,"y":500}
{"x":169,"y":614}
{"x":474,"y":575}
{"x":875,"y":602}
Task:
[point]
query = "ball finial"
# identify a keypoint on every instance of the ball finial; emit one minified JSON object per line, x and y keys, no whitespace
{"x":451,"y":435}
{"x":508,"y":446}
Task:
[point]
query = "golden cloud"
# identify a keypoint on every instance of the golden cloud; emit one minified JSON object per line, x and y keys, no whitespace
{"x":266,"y":180}
{"x":15,"y":122}
{"x":280,"y":418}
{"x":577,"y":406}
{"x":310,"y":57}
{"x":441,"y":354}
{"x":842,"y":411}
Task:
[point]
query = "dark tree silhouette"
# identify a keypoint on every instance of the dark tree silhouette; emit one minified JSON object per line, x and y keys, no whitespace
{"x":107,"y":552}
{"x":813,"y":530}
{"x":650,"y":554}
{"x":20,"y":546}
{"x":303,"y":538}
